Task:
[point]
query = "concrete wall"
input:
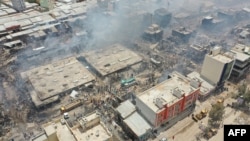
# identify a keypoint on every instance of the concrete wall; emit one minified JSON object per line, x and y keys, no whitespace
{"x":92,"y":123}
{"x":147,"y":113}
{"x":212,"y":70}
{"x":52,"y":137}
{"x":227,"y":70}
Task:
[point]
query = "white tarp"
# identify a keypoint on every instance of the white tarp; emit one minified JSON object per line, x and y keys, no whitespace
{"x":74,"y":94}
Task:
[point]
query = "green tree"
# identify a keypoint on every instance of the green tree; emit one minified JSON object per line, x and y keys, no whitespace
{"x":242,"y":89}
{"x":246,"y":96}
{"x":244,"y":92}
{"x":216,"y":114}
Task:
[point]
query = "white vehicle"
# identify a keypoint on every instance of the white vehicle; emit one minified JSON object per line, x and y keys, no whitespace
{"x":66,"y":115}
{"x":164,"y":139}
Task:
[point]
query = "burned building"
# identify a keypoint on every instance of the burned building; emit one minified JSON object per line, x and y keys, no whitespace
{"x":226,"y":14}
{"x":111,"y":59}
{"x":46,"y":83}
{"x":153,"y":33}
{"x":182,"y":33}
{"x":162,"y":17}
{"x":196,"y":53}
{"x":207,"y":21}
{"x":242,"y":61}
{"x":210,"y":22}
{"x":243,"y":14}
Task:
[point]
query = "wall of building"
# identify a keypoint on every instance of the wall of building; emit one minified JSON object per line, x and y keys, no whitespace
{"x":173,"y":110}
{"x":191,"y":99}
{"x":212,"y":70}
{"x":147,"y":113}
{"x":52,"y":137}
{"x":145,"y":136}
{"x":91,"y":123}
{"x":226,"y":72}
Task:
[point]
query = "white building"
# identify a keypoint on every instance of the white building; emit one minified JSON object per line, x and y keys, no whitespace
{"x":217,"y":66}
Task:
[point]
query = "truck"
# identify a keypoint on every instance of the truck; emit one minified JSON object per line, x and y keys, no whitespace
{"x":200,"y":115}
{"x":71,"y":106}
{"x":128,"y":82}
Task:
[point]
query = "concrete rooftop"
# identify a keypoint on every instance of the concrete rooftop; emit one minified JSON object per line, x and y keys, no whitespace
{"x":164,"y":91}
{"x":137,"y":124}
{"x":53,"y":79}
{"x":241,"y":56}
{"x":222,"y":58}
{"x":62,"y":131}
{"x":112,"y":59}
{"x":125,"y":109}
{"x":97,"y":133}
{"x":205,"y":86}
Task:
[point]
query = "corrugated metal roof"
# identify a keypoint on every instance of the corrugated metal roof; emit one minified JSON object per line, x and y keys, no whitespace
{"x":125,"y":109}
{"x":137,"y":124}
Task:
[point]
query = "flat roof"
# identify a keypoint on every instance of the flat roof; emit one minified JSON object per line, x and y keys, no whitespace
{"x":205,"y":86}
{"x":168,"y":91}
{"x":222,"y":58}
{"x":137,"y":124}
{"x":57,"y":77}
{"x":49,"y":130}
{"x":241,"y":56}
{"x":125,"y":109}
{"x":240,"y":47}
{"x":62,"y":131}
{"x":91,"y":117}
{"x":39,"y":103}
{"x":41,"y":137}
{"x":111,"y":59}
{"x":97,"y":133}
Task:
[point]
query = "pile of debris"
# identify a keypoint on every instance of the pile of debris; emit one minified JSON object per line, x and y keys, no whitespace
{"x":5,"y":122}
{"x":242,"y":32}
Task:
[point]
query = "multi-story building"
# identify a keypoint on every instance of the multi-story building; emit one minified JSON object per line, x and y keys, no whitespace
{"x":217,"y":66}
{"x":169,"y":101}
{"x":18,"y":5}
{"x":242,"y":61}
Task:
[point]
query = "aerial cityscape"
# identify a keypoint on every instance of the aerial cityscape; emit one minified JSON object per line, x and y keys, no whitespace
{"x":124,"y":70}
